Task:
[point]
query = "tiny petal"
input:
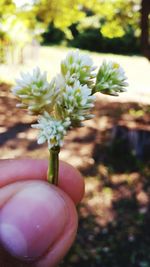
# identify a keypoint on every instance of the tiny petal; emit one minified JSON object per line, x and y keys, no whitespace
{"x":41,"y":140}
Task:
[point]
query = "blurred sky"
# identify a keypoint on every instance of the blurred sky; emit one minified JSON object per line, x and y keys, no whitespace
{"x":20,"y":3}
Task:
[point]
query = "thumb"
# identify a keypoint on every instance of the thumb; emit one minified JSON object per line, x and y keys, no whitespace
{"x":38,"y":222}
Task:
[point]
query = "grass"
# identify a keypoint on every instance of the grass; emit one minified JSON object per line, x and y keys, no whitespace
{"x":48,"y":58}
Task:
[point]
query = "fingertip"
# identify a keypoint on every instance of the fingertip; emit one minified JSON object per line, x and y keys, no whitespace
{"x":71,"y":181}
{"x":38,"y":212}
{"x":57,"y":252}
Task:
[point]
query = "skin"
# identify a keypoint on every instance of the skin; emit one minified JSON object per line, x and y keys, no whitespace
{"x":38,"y":221}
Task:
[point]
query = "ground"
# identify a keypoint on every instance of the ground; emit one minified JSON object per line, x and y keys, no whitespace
{"x":112,"y":152}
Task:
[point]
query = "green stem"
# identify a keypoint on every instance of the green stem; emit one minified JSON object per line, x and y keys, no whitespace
{"x":93,"y":90}
{"x":53,"y":166}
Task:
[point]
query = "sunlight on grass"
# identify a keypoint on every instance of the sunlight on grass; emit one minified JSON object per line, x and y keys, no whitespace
{"x":48,"y":58}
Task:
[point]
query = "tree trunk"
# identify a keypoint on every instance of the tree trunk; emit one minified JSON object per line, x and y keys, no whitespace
{"x":145,"y":11}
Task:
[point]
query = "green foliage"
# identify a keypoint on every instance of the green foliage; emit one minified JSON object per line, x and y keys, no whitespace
{"x":104,"y":26}
{"x":53,"y":35}
{"x":6,"y":7}
{"x":90,"y":39}
{"x":93,"y":40}
{"x":113,"y":26}
{"x":117,"y":15}
{"x":62,"y":14}
{"x":100,"y":25}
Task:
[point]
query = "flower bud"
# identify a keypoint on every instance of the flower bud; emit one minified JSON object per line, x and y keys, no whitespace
{"x":75,"y":103}
{"x":77,"y":66}
{"x":110,"y":79}
{"x":34,"y":91}
{"x":51,"y":130}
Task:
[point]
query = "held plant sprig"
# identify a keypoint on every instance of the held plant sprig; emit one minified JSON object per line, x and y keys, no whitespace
{"x":66,"y":101}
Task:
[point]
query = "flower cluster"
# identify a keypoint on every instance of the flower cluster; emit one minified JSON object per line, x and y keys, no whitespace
{"x":66,"y":101}
{"x":110,"y":79}
{"x":79,"y":67}
{"x":51,"y":130}
{"x":75,"y":103}
{"x":34,"y":91}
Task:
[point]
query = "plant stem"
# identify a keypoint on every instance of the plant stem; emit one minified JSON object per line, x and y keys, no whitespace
{"x":53,"y":166}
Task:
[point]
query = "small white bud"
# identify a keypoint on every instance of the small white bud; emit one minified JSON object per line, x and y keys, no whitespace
{"x":111,"y":79}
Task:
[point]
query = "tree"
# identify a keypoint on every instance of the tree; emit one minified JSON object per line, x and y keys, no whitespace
{"x":18,"y":26}
{"x":117,"y":15}
{"x":62,"y":13}
{"x":114,"y":18}
{"x":145,"y":44}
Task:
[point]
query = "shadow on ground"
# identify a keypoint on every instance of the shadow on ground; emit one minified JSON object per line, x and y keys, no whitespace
{"x":113,"y":153}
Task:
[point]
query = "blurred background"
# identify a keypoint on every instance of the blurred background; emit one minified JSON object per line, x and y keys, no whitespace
{"x":112,"y":151}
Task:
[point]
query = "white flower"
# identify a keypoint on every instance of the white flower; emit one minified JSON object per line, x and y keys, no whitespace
{"x":34,"y":91}
{"x":111,"y":79}
{"x":51,"y":130}
{"x":67,"y":100}
{"x":77,"y":66}
{"x":76,"y":103}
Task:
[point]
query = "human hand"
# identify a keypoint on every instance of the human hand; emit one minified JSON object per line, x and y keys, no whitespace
{"x":38,"y":221}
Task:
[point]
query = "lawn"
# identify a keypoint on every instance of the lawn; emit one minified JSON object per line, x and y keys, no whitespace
{"x":112,"y":152}
{"x":48,"y":58}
